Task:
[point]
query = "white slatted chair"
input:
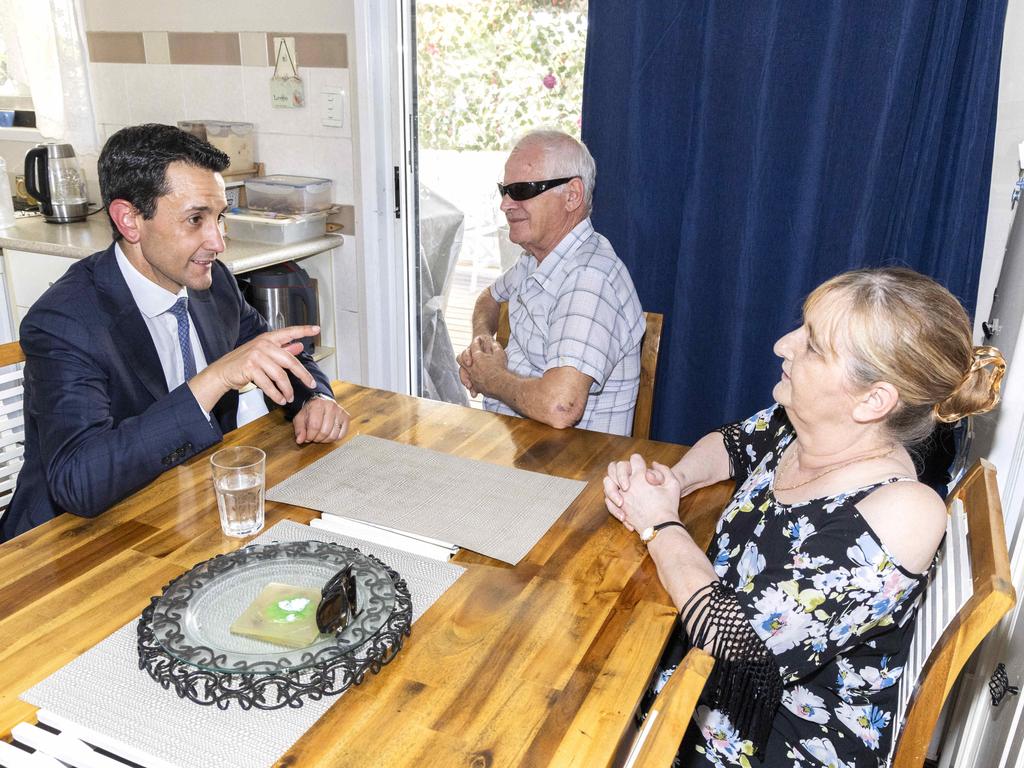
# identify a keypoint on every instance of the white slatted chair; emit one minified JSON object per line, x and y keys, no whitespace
{"x":969,"y":594}
{"x":12,"y":421}
{"x":63,"y":743}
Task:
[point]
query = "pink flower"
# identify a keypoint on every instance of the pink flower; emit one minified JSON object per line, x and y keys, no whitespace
{"x":549,"y":81}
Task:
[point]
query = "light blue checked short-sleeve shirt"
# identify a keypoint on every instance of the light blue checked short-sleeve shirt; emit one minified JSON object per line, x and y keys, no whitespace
{"x":577,"y":308}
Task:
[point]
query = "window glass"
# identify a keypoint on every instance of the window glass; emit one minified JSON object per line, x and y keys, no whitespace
{"x":14,"y":91}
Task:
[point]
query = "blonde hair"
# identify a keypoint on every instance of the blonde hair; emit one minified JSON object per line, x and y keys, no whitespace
{"x":895,"y":325}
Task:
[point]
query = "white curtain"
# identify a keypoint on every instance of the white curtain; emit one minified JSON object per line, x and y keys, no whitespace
{"x":49,"y":38}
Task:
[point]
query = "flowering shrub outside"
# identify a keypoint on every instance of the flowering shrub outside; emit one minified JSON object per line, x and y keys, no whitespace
{"x":489,"y":70}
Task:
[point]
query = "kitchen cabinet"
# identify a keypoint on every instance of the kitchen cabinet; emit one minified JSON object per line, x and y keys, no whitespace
{"x":28,"y":276}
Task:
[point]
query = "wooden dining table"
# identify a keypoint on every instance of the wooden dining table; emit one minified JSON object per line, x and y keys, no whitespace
{"x":541,"y":663}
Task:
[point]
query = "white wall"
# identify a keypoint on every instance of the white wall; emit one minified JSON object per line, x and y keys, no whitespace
{"x":220,"y":16}
{"x":1009,"y":133}
{"x":290,"y":141}
{"x":998,"y":432}
{"x":286,"y":140}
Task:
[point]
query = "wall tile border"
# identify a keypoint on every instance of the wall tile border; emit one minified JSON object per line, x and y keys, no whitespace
{"x":328,"y":50}
{"x":204,"y":48}
{"x":313,"y":50}
{"x":116,"y":47}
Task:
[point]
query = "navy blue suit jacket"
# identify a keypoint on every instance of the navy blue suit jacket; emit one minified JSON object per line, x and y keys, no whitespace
{"x":99,"y":421}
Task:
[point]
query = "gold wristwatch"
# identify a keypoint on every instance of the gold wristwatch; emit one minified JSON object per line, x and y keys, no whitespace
{"x":647,"y":534}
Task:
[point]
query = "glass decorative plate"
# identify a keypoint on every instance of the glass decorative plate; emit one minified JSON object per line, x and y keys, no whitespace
{"x":184,"y":638}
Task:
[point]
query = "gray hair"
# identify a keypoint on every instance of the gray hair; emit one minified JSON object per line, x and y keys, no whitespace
{"x":564,"y":156}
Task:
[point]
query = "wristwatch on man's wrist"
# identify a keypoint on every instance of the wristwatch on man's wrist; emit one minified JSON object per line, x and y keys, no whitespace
{"x":647,"y":534}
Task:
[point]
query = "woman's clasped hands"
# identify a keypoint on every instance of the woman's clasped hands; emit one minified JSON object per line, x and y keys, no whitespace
{"x":638,"y":495}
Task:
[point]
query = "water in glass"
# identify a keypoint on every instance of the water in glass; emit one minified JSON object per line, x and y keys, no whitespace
{"x":240,"y":500}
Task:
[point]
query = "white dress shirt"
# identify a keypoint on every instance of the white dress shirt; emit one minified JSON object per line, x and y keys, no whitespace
{"x":154,"y":302}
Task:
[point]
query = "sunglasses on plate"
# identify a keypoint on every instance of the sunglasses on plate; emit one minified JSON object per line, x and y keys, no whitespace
{"x":337,"y":602}
{"x":524,"y":190}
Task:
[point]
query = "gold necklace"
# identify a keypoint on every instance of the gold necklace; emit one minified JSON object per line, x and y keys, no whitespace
{"x":830,"y":469}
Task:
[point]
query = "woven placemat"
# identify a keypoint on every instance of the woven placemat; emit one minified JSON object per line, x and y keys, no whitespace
{"x":497,"y":511}
{"x":105,"y":691}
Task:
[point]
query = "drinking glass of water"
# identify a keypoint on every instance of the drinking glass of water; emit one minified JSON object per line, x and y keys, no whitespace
{"x":238,"y":478}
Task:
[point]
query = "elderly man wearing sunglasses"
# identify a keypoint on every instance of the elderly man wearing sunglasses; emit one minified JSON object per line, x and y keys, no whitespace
{"x":573,"y":357}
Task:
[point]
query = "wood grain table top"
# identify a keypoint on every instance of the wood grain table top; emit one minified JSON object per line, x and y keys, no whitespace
{"x":538,"y":664}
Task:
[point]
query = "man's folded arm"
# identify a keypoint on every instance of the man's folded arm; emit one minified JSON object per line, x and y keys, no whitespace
{"x":557,"y":398}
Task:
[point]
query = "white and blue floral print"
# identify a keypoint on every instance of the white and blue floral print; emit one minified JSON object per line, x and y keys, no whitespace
{"x":829,"y":601}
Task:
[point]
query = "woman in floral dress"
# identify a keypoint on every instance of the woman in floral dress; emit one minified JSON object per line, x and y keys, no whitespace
{"x":807,"y":594}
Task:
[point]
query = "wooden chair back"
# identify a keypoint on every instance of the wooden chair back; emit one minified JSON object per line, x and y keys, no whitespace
{"x":504,"y":332}
{"x":12,"y":421}
{"x":970,"y":592}
{"x":649,"y":348}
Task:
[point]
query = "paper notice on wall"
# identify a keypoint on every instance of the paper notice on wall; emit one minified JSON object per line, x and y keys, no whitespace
{"x":286,"y":89}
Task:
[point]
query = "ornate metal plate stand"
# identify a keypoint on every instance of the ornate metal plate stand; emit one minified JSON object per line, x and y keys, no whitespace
{"x":184,"y":642}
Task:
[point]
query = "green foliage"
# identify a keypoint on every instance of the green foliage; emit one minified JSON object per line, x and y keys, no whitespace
{"x":488,"y":70}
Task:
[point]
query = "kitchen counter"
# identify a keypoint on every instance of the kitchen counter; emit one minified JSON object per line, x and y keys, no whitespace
{"x":84,"y":238}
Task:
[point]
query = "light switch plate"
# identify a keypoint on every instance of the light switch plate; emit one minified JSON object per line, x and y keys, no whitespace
{"x":333,"y":107}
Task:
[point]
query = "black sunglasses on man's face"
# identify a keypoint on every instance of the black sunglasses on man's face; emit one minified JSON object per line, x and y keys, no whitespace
{"x":524,"y":190}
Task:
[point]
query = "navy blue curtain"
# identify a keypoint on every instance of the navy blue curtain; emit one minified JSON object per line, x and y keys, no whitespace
{"x":747,"y":151}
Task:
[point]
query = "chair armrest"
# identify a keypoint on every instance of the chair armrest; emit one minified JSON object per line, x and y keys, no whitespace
{"x":662,"y":732}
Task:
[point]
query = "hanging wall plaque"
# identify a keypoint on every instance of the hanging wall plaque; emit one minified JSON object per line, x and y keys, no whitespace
{"x":286,"y":89}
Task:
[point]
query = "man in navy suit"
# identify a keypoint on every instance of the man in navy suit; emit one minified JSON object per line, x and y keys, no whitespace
{"x":134,"y":358}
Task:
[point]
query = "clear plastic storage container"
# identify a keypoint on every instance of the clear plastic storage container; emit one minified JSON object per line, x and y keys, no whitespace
{"x":276,"y":230}
{"x":233,"y":139}
{"x":288,"y":194}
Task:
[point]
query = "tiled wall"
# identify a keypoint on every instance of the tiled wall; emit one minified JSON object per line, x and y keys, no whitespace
{"x":157,"y":76}
{"x":167,"y":76}
{"x":193,"y":59}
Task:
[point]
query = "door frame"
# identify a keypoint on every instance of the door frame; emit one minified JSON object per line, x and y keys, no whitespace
{"x":386,"y":243}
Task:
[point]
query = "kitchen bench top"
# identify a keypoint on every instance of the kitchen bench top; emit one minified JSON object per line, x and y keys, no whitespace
{"x":84,"y":238}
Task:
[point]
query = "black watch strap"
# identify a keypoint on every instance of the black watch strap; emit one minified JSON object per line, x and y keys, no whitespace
{"x":659,"y":526}
{"x":648,"y":534}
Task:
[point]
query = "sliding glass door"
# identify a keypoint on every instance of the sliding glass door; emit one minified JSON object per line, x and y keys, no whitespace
{"x":484,"y":72}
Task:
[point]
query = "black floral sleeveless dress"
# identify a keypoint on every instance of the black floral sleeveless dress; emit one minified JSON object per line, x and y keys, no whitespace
{"x":829,"y":603}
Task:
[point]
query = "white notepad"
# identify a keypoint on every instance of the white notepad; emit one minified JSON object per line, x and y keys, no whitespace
{"x":389,"y":537}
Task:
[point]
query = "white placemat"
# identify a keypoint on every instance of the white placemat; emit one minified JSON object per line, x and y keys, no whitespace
{"x":497,"y":511}
{"x":105,"y":691}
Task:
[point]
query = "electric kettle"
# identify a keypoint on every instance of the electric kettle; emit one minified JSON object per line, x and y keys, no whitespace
{"x":285,"y":295}
{"x":54,"y":178}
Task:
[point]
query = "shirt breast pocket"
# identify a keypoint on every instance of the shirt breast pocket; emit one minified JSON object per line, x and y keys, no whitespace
{"x":528,"y":318}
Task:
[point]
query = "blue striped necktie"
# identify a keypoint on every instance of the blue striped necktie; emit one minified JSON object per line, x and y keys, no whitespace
{"x":180,"y":312}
